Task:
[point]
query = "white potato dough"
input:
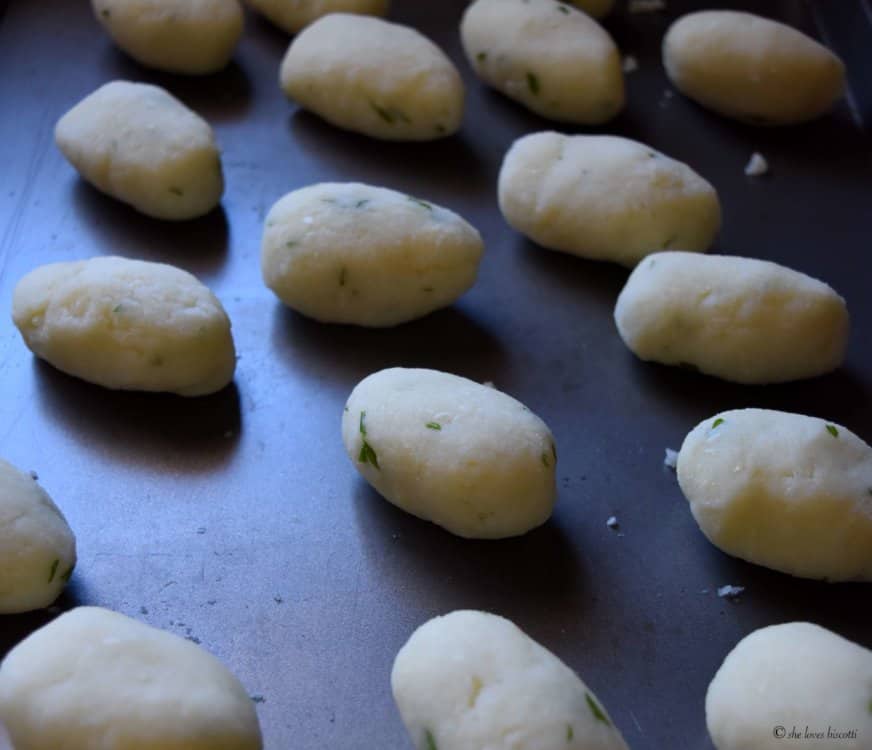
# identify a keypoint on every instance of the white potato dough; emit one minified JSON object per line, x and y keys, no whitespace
{"x":126,"y":324}
{"x":741,"y":319}
{"x":471,"y":680}
{"x":141,"y":145}
{"x":796,"y":677}
{"x":605,"y":198}
{"x":547,"y":55}
{"x":37,"y":546}
{"x":97,"y":679}
{"x":374,"y":77}
{"x":353,"y":253}
{"x":469,"y":458}
{"x":790,"y":492}
{"x":595,"y":8}
{"x":294,"y":15}
{"x":751,"y":68}
{"x":178,"y":36}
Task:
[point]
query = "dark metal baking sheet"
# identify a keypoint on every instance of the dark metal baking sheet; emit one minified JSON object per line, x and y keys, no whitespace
{"x":237,"y":519}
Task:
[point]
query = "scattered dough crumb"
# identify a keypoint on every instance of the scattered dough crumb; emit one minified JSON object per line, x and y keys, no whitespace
{"x":646,"y":6}
{"x":730,"y":592}
{"x":630,"y":64}
{"x":756,"y":166}
{"x":612,"y":522}
{"x":671,"y":458}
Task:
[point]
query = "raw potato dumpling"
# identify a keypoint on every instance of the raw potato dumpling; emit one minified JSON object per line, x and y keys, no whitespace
{"x":595,"y":8}
{"x":352,"y":253}
{"x":751,"y":68}
{"x":462,"y":455}
{"x":144,"y":147}
{"x":547,"y":55}
{"x":473,"y":680}
{"x":789,"y":677}
{"x":37,"y":546}
{"x":179,"y":36}
{"x":789,"y":492}
{"x":97,"y":679}
{"x":294,"y":15}
{"x":745,"y":320}
{"x":605,"y":198}
{"x":373,"y":77}
{"x":126,"y":324}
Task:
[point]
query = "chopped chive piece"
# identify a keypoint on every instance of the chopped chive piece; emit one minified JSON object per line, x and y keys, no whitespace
{"x":117,"y":308}
{"x":368,"y":455}
{"x":717,"y":422}
{"x":429,"y":740}
{"x":481,"y":56}
{"x":343,"y":276}
{"x":362,"y":425}
{"x":331,"y":201}
{"x":177,"y":191}
{"x":292,"y":243}
{"x":831,"y":428}
{"x":362,"y":203}
{"x":563,"y":9}
{"x":545,"y":460}
{"x":533,"y":82}
{"x":570,"y":733}
{"x":68,"y":573}
{"x":346,"y":409}
{"x":421,"y":203}
{"x":597,"y":712}
{"x":383,"y":113}
{"x":54,"y":569}
{"x":434,"y":426}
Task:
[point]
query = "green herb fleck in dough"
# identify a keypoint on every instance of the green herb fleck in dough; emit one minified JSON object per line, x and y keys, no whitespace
{"x":426,"y":288}
{"x":563,"y":9}
{"x":177,"y":191}
{"x":362,"y":424}
{"x":343,"y":276}
{"x":117,"y":308}
{"x":157,"y":360}
{"x":53,"y":570}
{"x":421,"y":203}
{"x":67,"y":574}
{"x":717,"y":423}
{"x":430,"y":741}
{"x":331,"y":201}
{"x":367,"y":453}
{"x":481,"y":56}
{"x":554,"y":451}
{"x":292,"y":243}
{"x":434,"y":426}
{"x":546,"y":462}
{"x":361,"y":203}
{"x":831,"y":428}
{"x":106,"y":13}
{"x":533,"y":83}
{"x":597,"y":712}
{"x":390,"y":116}
{"x":570,"y":733}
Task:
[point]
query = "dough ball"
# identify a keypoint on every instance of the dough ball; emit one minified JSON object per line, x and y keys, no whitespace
{"x":473,"y":680}
{"x":97,"y":679}
{"x":353,"y":253}
{"x":178,"y":36}
{"x":126,"y":324}
{"x":792,"y":685}
{"x":555,"y":60}
{"x":141,"y":145}
{"x":785,"y":491}
{"x":293,"y":15}
{"x":751,"y":68}
{"x":745,"y":320}
{"x":373,"y":77}
{"x":462,"y":455}
{"x":37,"y":546}
{"x":605,"y":198}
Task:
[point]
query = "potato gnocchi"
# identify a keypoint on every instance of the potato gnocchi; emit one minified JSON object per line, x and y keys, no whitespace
{"x":141,"y":145}
{"x":126,"y":324}
{"x":740,"y":319}
{"x":467,"y":457}
{"x":294,"y":15}
{"x":373,"y":77}
{"x":786,"y":491}
{"x":472,"y":680}
{"x":353,"y":253}
{"x":605,"y":198}
{"x":751,"y":68}
{"x":546,"y":55}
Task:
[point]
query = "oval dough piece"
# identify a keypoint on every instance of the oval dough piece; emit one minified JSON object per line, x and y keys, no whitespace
{"x":353,"y":253}
{"x":790,"y":492}
{"x":462,"y":455}
{"x":37,"y":546}
{"x":547,"y":55}
{"x":786,"y":678}
{"x":126,"y":324}
{"x":97,"y":679}
{"x":745,"y":320}
{"x":595,"y":8}
{"x":294,"y":15}
{"x":374,"y":77}
{"x":605,"y":198}
{"x":139,"y":144}
{"x":472,"y":680}
{"x":178,"y":36}
{"x":751,"y":68}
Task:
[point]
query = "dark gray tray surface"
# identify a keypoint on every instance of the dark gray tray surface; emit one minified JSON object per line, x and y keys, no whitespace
{"x":237,"y":519}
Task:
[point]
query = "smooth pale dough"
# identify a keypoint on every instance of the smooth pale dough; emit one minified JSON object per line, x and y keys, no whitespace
{"x":790,"y":492}
{"x":552,"y":58}
{"x":179,"y":36}
{"x":144,"y":147}
{"x":605,"y":198}
{"x":97,"y":679}
{"x":745,"y":320}
{"x":462,"y":455}
{"x":751,"y":68}
{"x":374,"y":77}
{"x":787,"y":677}
{"x":353,"y":253}
{"x":595,"y":8}
{"x":37,"y":546}
{"x":472,"y":680}
{"x":294,"y":15}
{"x":126,"y":324}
